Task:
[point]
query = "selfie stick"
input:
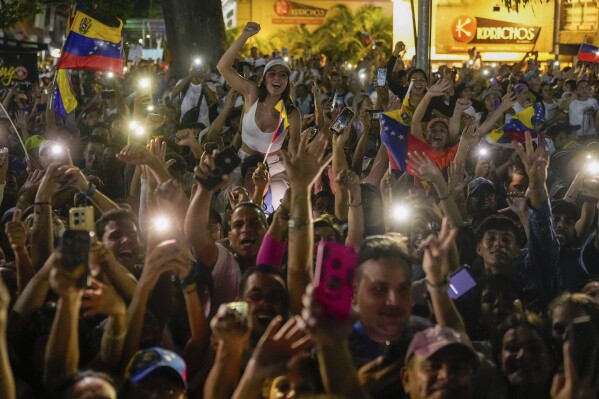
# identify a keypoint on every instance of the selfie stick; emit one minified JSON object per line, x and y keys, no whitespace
{"x":14,"y":127}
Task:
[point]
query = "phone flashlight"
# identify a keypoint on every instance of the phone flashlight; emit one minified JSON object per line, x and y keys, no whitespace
{"x":56,"y":150}
{"x":125,"y":69}
{"x":494,"y":65}
{"x":349,"y":66}
{"x":110,"y":75}
{"x":162,"y":223}
{"x":144,"y":83}
{"x":471,"y":62}
{"x":133,"y":125}
{"x":485,"y":72}
{"x":286,"y":59}
{"x":150,"y":108}
{"x":401,"y":213}
{"x":592,"y":168}
{"x":197,"y":62}
{"x":362,"y":76}
{"x":555,"y":63}
{"x":483,"y":152}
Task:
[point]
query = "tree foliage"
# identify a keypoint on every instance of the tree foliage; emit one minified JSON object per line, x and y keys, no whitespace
{"x":15,"y":11}
{"x":516,"y":4}
{"x":341,"y":36}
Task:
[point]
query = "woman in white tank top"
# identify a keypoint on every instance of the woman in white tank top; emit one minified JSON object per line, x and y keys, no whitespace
{"x":261,"y":119}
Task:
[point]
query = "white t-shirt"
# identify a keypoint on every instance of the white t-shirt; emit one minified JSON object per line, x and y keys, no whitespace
{"x":550,"y":109}
{"x":583,"y":113}
{"x":191,"y":100}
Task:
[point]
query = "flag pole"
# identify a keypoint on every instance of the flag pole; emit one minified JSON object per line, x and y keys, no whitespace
{"x":14,"y":127}
{"x":267,"y":152}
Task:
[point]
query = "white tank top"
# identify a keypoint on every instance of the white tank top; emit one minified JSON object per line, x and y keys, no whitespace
{"x":255,"y":138}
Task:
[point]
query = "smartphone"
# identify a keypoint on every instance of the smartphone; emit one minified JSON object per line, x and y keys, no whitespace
{"x":313,"y":132}
{"x":225,"y":162}
{"x":381,"y":77}
{"x":342,"y":120}
{"x":582,"y":334}
{"x":460,"y":282}
{"x":107,"y":94}
{"x":75,"y":255}
{"x":375,"y":114}
{"x":240,"y":307}
{"x":334,"y":278}
{"x":82,"y":219}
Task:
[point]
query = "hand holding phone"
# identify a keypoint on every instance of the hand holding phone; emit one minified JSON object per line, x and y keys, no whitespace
{"x":224,"y":163}
{"x":75,"y":255}
{"x":334,"y":277}
{"x":342,"y":120}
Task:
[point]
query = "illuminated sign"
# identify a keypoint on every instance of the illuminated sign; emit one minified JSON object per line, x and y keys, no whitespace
{"x":467,"y":29}
{"x":291,"y":12}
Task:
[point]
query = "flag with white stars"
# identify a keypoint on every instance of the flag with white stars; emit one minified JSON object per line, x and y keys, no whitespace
{"x":92,"y":45}
{"x":395,"y":134}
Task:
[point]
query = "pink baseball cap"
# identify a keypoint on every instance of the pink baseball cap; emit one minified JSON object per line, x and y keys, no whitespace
{"x":437,"y":120}
{"x":427,"y":342}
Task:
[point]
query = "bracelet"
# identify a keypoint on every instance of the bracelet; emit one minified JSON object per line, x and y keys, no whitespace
{"x":437,"y":287}
{"x":359,"y":204}
{"x":40,"y":203}
{"x":115,"y":337}
{"x":91,"y":190}
{"x":447,"y":196}
{"x":299,"y":223}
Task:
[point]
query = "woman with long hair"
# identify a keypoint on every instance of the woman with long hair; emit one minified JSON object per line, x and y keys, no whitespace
{"x":261,"y":121}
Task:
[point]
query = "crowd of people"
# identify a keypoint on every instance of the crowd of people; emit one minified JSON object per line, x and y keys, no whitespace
{"x":472,"y":270}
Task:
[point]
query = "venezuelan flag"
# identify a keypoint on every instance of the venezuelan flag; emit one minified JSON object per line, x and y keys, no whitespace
{"x":64,"y":99}
{"x":283,"y":120}
{"x":514,"y":129}
{"x":395,"y":134}
{"x":588,"y":53}
{"x":91,"y":45}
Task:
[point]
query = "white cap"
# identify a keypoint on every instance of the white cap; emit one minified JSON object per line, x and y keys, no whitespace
{"x":274,"y":63}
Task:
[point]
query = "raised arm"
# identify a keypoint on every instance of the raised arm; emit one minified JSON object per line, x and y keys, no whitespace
{"x":7,"y":381}
{"x":348,"y":180}
{"x":507,"y":102}
{"x":62,"y":348}
{"x":42,"y":238}
{"x":74,"y":177}
{"x":438,"y":89}
{"x":303,"y":167}
{"x":245,"y":87}
{"x":16,"y":232}
{"x":339,"y":164}
{"x":198,"y":213}
{"x":437,"y":264}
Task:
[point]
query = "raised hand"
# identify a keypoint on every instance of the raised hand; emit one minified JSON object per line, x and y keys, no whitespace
{"x":308,"y":162}
{"x":230,"y":327}
{"x":436,"y":263}
{"x":394,"y":103}
{"x":102,"y":299}
{"x":534,"y":161}
{"x":439,"y":88}
{"x":251,"y":29}
{"x":237,"y":195}
{"x":204,"y":169}
{"x":16,"y":231}
{"x":348,"y":180}
{"x":461,"y":105}
{"x":424,"y":168}
{"x":280,"y":342}
{"x":135,"y":154}
{"x":260,"y":177}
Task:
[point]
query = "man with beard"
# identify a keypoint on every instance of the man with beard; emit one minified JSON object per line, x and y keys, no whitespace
{"x":94,"y":150}
{"x":248,"y":226}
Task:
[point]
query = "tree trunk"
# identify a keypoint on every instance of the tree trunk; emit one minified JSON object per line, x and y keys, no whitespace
{"x":194,"y":28}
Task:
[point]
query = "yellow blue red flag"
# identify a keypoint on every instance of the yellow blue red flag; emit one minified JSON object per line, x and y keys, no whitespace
{"x":283,"y":120}
{"x":92,"y":45}
{"x":64,"y":99}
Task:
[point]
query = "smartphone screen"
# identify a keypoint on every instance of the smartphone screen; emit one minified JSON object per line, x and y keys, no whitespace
{"x":342,"y":120}
{"x":334,"y":278}
{"x":375,"y":114}
{"x":460,"y":282}
{"x":381,"y":77}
